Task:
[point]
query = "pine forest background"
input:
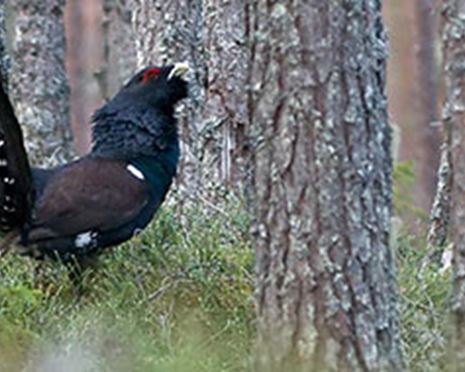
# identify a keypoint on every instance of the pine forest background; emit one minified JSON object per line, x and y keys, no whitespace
{"x":278,"y":248}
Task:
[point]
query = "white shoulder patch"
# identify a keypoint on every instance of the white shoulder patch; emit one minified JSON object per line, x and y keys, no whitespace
{"x":135,"y":172}
{"x":82,"y":240}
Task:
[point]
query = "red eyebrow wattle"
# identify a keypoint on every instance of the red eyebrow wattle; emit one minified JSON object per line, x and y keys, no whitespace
{"x":153,"y":72}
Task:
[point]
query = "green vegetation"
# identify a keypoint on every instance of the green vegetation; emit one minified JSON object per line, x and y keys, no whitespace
{"x":178,"y":299}
{"x":404,"y":182}
{"x":424,"y":293}
{"x":173,"y":299}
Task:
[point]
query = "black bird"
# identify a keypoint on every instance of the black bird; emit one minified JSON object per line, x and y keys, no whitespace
{"x":107,"y":196}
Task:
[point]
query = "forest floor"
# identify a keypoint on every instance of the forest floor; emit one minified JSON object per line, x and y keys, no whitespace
{"x":177,"y":299}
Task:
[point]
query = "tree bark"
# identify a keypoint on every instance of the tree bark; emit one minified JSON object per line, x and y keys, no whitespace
{"x":440,"y":212}
{"x":453,"y":36}
{"x":39,"y":87}
{"x":211,"y":36}
{"x":167,"y":32}
{"x":119,"y":51}
{"x":5,"y":60}
{"x":326,"y":287}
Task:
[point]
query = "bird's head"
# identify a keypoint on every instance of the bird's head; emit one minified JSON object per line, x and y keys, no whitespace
{"x":160,"y":87}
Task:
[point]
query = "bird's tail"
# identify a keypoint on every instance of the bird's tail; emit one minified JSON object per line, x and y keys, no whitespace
{"x":16,"y":191}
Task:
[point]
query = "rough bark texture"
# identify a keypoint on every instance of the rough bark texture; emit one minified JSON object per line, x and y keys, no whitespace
{"x":453,"y":36}
{"x":210,"y":36}
{"x":440,"y":213}
{"x":326,"y":287}
{"x":39,"y":87}
{"x":5,"y":61}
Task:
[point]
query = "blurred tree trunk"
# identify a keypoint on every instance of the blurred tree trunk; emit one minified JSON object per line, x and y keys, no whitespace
{"x":453,"y":36}
{"x":119,"y":51}
{"x":101,"y":56}
{"x":326,"y":287}
{"x":412,"y":90}
{"x":75,"y":65}
{"x":426,"y":108}
{"x":39,"y":87}
{"x":210,"y":36}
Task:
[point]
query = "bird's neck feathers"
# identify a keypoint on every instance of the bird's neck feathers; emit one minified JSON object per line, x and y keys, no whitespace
{"x":129,"y":131}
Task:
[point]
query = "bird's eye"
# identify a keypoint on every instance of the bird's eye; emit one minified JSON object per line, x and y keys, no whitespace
{"x":150,"y":74}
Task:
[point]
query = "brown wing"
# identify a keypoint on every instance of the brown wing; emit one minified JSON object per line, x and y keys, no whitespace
{"x":90,"y":194}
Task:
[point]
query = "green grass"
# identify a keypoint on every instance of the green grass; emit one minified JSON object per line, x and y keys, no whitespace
{"x":174,"y":298}
{"x":178,"y":298}
{"x":424,"y":294}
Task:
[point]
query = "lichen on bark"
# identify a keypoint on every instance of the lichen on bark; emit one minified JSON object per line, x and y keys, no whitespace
{"x":210,"y":36}
{"x":326,"y":287}
{"x":38,"y":82}
{"x":453,"y":37}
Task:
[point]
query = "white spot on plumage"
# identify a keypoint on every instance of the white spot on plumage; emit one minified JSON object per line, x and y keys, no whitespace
{"x":9,"y":180}
{"x":84,"y":239}
{"x":135,"y":172}
{"x":3,"y":163}
{"x":8,"y":209}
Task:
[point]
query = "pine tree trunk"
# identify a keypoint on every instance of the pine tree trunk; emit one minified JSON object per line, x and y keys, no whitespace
{"x":412,"y":90}
{"x":5,"y":60}
{"x":427,"y":135}
{"x":326,"y":288}
{"x":38,"y":83}
{"x":210,"y":35}
{"x":119,"y":51}
{"x":453,"y":36}
{"x":226,"y":113}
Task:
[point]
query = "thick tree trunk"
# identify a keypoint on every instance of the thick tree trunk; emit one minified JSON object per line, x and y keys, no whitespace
{"x":210,"y":36}
{"x":326,"y":287}
{"x":38,"y":83}
{"x":453,"y":36}
{"x":167,"y":32}
{"x":225,"y":116}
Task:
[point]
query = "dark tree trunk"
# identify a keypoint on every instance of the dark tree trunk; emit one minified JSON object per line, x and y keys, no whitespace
{"x":39,"y":87}
{"x":453,"y":36}
{"x":326,"y":287}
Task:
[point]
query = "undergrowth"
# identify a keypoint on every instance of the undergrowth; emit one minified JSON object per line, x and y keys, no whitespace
{"x":172,"y":299}
{"x":177,"y":298}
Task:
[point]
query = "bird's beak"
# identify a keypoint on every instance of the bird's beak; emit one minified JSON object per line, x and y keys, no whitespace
{"x":178,"y":70}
